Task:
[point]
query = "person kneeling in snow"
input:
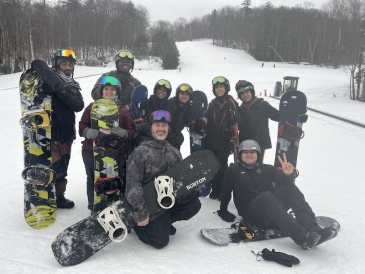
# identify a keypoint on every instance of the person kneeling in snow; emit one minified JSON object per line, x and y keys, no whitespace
{"x":263,"y":194}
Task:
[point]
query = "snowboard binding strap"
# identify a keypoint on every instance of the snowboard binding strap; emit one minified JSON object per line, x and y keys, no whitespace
{"x":109,"y":141}
{"x":115,"y":228}
{"x":38,"y":175}
{"x":36,"y":119}
{"x":291,"y":131}
{"x":165,"y":191}
{"x":107,"y":186}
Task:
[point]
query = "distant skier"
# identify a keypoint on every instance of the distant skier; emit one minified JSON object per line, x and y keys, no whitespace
{"x":144,"y":165}
{"x":263,"y":194}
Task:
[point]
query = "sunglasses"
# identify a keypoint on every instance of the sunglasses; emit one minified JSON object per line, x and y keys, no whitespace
{"x":219,"y":79}
{"x":109,"y":80}
{"x":66,"y":53}
{"x":165,"y":83}
{"x":161,"y":115}
{"x":125,"y":53}
{"x":186,"y":88}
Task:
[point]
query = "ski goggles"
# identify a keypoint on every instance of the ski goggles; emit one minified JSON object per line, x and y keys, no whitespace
{"x":165,"y":83}
{"x":185,"y":88}
{"x":109,"y":80}
{"x":125,"y":54}
{"x":242,"y":89}
{"x":161,"y":116}
{"x":220,"y":80}
{"x":66,"y":53}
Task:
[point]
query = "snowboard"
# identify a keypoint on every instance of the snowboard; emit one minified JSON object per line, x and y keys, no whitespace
{"x":107,"y":184}
{"x":239,"y":234}
{"x":292,"y":113}
{"x":40,"y":208}
{"x":197,"y":115}
{"x":83,"y":239}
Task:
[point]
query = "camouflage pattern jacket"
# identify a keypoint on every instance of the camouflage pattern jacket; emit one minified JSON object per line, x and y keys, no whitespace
{"x":146,"y":162}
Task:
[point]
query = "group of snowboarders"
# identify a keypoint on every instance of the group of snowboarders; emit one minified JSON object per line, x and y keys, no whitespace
{"x":262,"y":194}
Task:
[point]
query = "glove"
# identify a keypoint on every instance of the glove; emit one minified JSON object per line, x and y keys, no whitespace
{"x":233,"y":133}
{"x":197,"y":125}
{"x":91,"y":133}
{"x":279,"y":257}
{"x":140,"y":127}
{"x":67,"y":87}
{"x":226,"y":215}
{"x":122,"y":133}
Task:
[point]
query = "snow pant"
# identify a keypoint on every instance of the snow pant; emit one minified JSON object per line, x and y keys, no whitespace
{"x":217,"y":181}
{"x":157,"y":232}
{"x":269,"y":210}
{"x":90,"y":175}
{"x":61,"y":154}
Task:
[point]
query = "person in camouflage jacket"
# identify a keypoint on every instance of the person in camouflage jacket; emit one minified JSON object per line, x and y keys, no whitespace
{"x":149,"y":160}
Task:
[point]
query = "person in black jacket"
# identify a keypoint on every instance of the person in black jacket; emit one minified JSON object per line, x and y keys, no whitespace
{"x":179,"y":106}
{"x":222,"y":118}
{"x":254,"y":117}
{"x":66,"y":100}
{"x":124,"y":62}
{"x":263,"y":194}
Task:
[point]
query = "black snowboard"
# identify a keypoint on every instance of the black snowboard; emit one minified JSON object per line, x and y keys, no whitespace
{"x":226,"y":236}
{"x":83,"y":239}
{"x":293,"y":106}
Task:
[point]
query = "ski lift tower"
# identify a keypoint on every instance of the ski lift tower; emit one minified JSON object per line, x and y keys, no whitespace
{"x":290,"y":83}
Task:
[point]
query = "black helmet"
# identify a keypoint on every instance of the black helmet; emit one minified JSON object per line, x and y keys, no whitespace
{"x":221,"y":80}
{"x":249,"y":145}
{"x":166,"y":84}
{"x":159,"y":116}
{"x":111,"y":81}
{"x":62,"y":55}
{"x":185,"y":88}
{"x":243,"y":85}
{"x":124,"y":53}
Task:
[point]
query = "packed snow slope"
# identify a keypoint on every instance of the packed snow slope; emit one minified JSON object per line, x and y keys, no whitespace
{"x":330,"y":163}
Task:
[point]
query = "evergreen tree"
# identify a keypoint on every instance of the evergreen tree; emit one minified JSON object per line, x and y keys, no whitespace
{"x":170,"y":56}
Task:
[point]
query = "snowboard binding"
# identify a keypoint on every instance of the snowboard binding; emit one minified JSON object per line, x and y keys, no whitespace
{"x":36,"y":119}
{"x":108,"y":186}
{"x":244,"y":230}
{"x":165,"y":191}
{"x":291,"y":131}
{"x":38,"y":175}
{"x":109,"y":141}
{"x":115,"y":228}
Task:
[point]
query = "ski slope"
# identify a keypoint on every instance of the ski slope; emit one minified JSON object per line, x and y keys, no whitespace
{"x":331,"y":176}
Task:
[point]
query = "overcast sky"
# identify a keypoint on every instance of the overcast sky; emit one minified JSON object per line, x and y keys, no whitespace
{"x":170,"y":10}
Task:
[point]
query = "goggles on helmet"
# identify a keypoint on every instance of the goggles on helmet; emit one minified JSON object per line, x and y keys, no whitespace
{"x":66,"y":53}
{"x":161,"y":116}
{"x":124,"y":54}
{"x":165,"y":83}
{"x":220,"y":80}
{"x":109,"y":80}
{"x":186,"y":88}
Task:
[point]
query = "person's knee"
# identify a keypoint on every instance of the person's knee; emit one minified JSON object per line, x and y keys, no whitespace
{"x":161,"y":242}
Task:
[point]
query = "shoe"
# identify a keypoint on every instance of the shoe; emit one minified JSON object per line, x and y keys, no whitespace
{"x":213,"y":195}
{"x":310,"y":240}
{"x":326,"y":234}
{"x":172,"y":230}
{"x":62,"y":202}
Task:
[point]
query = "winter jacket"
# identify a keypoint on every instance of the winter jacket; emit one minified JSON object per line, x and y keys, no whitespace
{"x":254,"y":123}
{"x":125,"y":122}
{"x":220,"y":118}
{"x":246,"y":183}
{"x":64,"y":104}
{"x":147,"y":161}
{"x":179,"y":121}
{"x":129,"y":83}
{"x":154,"y":103}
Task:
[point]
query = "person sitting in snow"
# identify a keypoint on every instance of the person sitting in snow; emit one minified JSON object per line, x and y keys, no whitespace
{"x":263,"y":194}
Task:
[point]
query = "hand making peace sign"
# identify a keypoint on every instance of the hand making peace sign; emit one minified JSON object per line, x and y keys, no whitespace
{"x":286,"y":166}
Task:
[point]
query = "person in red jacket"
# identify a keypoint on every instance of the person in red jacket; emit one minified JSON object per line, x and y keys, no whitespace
{"x":110,"y":88}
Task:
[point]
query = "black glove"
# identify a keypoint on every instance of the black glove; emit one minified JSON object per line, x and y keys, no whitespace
{"x":279,"y":257}
{"x":226,"y":215}
{"x":141,"y":127}
{"x":67,"y":87}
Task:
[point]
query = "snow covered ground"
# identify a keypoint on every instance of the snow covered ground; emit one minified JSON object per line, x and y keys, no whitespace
{"x":330,"y":163}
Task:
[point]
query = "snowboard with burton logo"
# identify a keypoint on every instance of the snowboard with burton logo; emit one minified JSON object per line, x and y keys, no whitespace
{"x":292,"y":109}
{"x":83,"y":239}
{"x":40,"y":209}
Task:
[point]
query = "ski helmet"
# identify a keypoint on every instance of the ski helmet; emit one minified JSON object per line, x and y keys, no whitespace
{"x":249,"y":145}
{"x":159,"y":116}
{"x":124,"y":53}
{"x":108,"y":80}
{"x":243,"y":85}
{"x":62,"y":55}
{"x":221,"y":80}
{"x":166,"y":84}
{"x":185,"y":88}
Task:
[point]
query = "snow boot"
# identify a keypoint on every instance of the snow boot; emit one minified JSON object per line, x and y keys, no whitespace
{"x":172,"y":230}
{"x":214,"y":195}
{"x":62,"y":202}
{"x":310,"y":240}
{"x":326,"y":234}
